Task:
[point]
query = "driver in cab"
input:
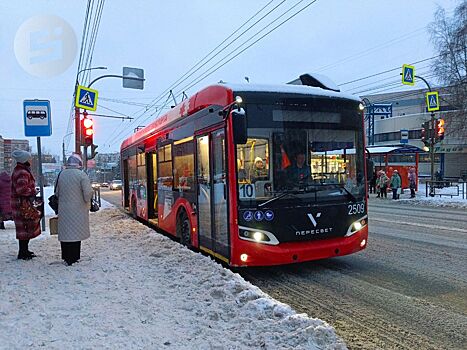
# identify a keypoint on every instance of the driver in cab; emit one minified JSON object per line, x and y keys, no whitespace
{"x":299,"y":171}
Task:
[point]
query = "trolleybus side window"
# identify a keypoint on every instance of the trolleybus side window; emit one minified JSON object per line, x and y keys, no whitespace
{"x":184,"y":165}
{"x":165,"y":179}
{"x":141,"y":172}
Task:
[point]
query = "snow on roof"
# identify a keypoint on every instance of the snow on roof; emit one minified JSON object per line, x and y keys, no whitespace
{"x":381,"y":149}
{"x":288,"y":88}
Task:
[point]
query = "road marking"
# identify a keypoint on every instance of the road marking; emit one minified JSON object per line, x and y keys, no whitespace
{"x":436,"y":227}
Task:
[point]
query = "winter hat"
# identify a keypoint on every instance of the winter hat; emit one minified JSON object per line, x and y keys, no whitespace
{"x":74,"y":161}
{"x":258,"y":159}
{"x":21,"y":156}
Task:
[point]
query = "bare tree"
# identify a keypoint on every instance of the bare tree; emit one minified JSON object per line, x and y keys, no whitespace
{"x":449,"y":36}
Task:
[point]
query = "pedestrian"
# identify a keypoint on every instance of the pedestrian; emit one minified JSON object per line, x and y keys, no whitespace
{"x":373,"y":183}
{"x":412,"y":182}
{"x":383,"y":184}
{"x":74,"y":194}
{"x":25,"y":214}
{"x":5,"y":198}
{"x":377,"y":184}
{"x":395,"y":184}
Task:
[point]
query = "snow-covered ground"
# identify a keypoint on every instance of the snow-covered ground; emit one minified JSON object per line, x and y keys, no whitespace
{"x":136,"y":289}
{"x":442,"y":197}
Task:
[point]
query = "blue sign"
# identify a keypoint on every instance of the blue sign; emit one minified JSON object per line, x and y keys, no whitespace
{"x":269,"y":215}
{"x":37,"y":119}
{"x":404,"y":136}
{"x":248,"y":215}
{"x":259,"y":215}
{"x":86,"y":98}
{"x":408,"y":74}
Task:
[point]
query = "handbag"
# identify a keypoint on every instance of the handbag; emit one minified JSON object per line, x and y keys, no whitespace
{"x":94,"y":206}
{"x":53,"y":199}
{"x":53,"y":225}
{"x":28,"y":211}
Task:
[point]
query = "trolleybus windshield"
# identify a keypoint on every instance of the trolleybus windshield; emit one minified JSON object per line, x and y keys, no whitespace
{"x":302,"y":152}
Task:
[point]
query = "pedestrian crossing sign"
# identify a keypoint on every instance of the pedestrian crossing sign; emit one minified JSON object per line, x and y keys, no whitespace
{"x":86,"y":98}
{"x":432,"y":101}
{"x":408,"y":74}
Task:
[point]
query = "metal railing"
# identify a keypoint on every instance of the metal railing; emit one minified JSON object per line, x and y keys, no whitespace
{"x":446,"y":188}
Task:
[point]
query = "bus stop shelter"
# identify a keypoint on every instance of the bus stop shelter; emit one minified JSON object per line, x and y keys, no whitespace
{"x":397,"y":157}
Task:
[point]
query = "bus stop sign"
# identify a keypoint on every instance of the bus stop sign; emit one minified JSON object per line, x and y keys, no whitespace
{"x":37,"y":121}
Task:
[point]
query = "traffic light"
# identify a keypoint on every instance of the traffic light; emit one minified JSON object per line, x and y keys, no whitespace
{"x":440,"y":129}
{"x":425,"y":136}
{"x":93,"y":152}
{"x":87,"y":130}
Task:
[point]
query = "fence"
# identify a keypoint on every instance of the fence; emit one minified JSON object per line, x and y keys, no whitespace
{"x":446,"y":188}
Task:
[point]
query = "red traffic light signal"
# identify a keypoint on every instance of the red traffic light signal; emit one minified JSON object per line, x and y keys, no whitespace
{"x":440,"y":129}
{"x":87,"y":131}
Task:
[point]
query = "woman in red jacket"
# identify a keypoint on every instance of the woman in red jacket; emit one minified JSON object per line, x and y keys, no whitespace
{"x":25,"y":215}
{"x":5,"y":194}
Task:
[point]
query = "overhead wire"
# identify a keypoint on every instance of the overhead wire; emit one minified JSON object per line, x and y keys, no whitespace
{"x":154,"y":102}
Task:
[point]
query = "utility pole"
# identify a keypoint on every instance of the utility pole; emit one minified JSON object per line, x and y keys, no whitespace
{"x":432,"y":140}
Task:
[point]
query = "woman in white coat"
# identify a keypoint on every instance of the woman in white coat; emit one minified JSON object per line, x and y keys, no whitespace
{"x":74,"y":194}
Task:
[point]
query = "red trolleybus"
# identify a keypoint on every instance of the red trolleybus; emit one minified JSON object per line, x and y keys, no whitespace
{"x":276,"y":179}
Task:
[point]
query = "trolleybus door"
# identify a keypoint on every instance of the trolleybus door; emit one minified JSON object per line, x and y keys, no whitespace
{"x":126,"y":185}
{"x":151,"y":162}
{"x":203,"y":175}
{"x":219,"y":178}
{"x":212,"y":193}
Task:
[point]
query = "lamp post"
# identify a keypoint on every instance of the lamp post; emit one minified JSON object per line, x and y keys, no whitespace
{"x":369,"y":115}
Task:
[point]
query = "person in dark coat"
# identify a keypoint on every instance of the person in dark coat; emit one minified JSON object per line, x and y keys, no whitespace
{"x":74,"y":194}
{"x":5,"y":197}
{"x":25,"y":214}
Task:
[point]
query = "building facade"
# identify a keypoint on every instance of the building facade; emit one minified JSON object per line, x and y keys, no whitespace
{"x":398,"y":119}
{"x":2,"y":154}
{"x":9,"y":145}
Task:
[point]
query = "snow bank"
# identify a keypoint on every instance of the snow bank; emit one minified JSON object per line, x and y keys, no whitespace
{"x":136,"y":289}
{"x":443,"y":201}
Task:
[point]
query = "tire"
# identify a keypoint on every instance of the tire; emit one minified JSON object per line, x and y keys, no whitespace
{"x":184,"y":229}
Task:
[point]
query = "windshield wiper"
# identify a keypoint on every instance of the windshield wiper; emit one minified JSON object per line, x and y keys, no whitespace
{"x":290,"y":193}
{"x":342,"y":187}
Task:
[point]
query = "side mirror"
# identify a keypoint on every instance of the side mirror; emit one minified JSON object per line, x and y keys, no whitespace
{"x":239,"y":126}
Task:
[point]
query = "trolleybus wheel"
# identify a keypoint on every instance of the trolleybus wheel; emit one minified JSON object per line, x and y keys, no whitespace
{"x":133,"y":208}
{"x":184,"y":228}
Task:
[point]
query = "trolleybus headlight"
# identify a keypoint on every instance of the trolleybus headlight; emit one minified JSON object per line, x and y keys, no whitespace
{"x":356,"y":226}
{"x":244,"y":257}
{"x":258,"y":236}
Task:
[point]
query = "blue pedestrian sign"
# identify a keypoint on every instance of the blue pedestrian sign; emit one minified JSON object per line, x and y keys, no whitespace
{"x":86,"y":98}
{"x":432,"y":101}
{"x":408,"y":74}
{"x":37,"y":120}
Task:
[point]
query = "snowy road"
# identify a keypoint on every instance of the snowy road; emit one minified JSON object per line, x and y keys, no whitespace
{"x":407,"y":290}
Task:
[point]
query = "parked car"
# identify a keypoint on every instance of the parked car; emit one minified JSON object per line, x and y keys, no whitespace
{"x":116,"y":185}
{"x":105,"y":184}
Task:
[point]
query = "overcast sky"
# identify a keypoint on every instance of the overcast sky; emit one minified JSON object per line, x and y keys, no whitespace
{"x":344,"y":39}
